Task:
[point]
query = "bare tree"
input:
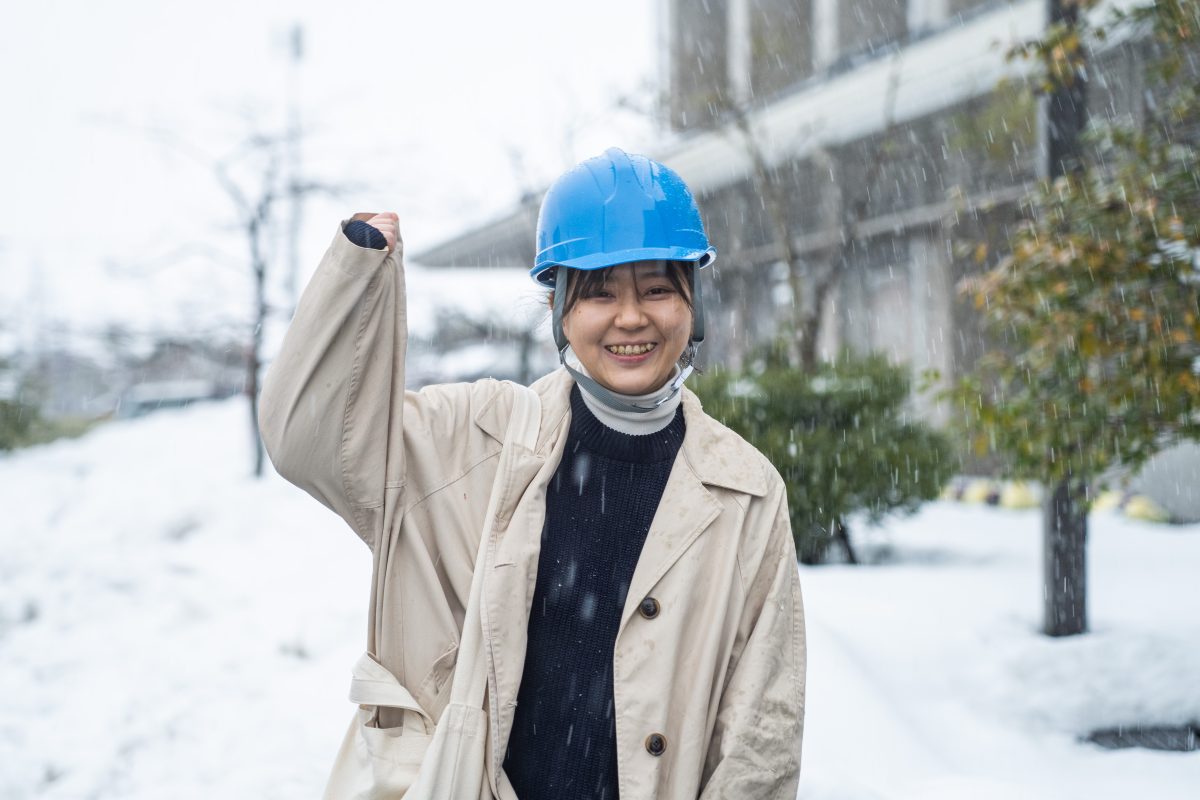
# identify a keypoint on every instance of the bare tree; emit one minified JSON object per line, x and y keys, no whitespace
{"x":259,"y":201}
{"x":260,"y":190}
{"x":457,"y":327}
{"x":813,"y":275}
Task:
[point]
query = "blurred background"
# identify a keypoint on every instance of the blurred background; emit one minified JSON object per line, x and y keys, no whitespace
{"x":955,"y":302}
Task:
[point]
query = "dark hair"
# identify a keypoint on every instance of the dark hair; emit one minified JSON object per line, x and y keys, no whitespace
{"x":585,"y":283}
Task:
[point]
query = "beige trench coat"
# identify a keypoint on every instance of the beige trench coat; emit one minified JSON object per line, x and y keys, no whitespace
{"x":719,"y":672}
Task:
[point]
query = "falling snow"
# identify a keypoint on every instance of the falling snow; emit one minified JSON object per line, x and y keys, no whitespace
{"x":139,"y":632}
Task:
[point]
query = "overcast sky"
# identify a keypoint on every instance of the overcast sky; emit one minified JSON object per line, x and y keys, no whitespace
{"x":423,"y":106}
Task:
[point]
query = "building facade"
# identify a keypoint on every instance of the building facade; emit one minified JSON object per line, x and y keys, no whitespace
{"x":872,"y":135}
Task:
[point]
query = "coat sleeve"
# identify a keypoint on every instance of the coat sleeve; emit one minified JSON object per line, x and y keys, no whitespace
{"x":755,"y":749}
{"x":333,"y":411}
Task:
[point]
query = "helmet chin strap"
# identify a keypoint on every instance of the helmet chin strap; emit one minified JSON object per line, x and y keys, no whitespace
{"x":600,"y":393}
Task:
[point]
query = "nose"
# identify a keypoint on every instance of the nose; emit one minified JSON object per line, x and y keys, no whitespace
{"x":630,"y":314}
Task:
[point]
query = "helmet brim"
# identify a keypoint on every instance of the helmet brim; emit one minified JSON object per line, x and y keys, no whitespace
{"x":544,"y":273}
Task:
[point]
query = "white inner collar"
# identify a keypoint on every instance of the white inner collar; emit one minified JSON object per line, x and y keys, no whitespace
{"x":631,"y":422}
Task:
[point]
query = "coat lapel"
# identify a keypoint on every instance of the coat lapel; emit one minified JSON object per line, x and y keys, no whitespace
{"x":711,"y":455}
{"x":685,"y":510}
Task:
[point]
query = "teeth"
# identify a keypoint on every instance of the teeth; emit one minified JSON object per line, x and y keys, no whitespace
{"x":630,"y":349}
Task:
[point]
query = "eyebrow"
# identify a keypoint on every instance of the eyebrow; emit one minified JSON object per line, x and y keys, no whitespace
{"x":657,"y":269}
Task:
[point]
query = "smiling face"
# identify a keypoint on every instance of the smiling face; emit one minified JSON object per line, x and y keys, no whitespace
{"x":629,"y":326}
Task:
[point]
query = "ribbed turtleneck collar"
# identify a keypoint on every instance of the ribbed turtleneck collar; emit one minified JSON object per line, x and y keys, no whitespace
{"x":592,"y":433}
{"x":637,"y":423}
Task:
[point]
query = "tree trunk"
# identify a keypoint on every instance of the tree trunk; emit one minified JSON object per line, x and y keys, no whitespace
{"x":252,"y":368}
{"x":254,"y":350}
{"x":1064,"y":560}
{"x":1066,"y":115}
{"x":841,"y":535}
{"x":821,"y":282}
{"x":813,"y":548}
{"x":802,"y":347}
{"x":1064,"y":529}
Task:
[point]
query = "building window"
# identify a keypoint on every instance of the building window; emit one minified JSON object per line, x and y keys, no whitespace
{"x":864,"y":25}
{"x":699,"y":68}
{"x":781,"y":44}
{"x":960,"y":6}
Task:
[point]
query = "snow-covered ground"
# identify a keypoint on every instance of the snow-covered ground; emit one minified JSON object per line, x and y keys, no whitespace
{"x":172,"y":628}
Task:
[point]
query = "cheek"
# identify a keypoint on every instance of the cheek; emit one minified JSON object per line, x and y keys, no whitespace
{"x":580,"y":327}
{"x":677,"y":325}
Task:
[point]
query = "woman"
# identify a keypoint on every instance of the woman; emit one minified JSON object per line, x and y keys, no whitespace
{"x":646,"y":633}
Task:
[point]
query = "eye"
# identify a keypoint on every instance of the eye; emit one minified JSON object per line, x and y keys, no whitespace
{"x":660,"y":290}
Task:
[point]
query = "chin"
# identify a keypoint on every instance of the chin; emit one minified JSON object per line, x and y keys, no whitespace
{"x":635,"y":389}
{"x":635,"y":384}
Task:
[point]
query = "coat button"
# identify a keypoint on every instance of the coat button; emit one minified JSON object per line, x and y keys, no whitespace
{"x":649,"y":608}
{"x":656,"y":744}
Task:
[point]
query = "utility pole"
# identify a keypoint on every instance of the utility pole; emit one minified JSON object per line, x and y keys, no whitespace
{"x":294,"y":181}
{"x":1064,"y":529}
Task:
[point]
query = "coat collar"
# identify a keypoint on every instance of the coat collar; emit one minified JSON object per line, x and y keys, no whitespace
{"x":715,"y":454}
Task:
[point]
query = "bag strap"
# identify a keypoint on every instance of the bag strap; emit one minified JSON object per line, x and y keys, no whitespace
{"x":470,"y":672}
{"x":526,"y":419}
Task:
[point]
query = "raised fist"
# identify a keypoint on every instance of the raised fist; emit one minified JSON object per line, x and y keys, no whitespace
{"x":387,"y":223}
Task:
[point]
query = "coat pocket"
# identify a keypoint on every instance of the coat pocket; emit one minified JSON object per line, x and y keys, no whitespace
{"x":378,"y":763}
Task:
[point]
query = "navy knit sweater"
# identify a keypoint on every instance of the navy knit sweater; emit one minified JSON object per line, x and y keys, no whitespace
{"x":599,"y":506}
{"x":364,"y":235}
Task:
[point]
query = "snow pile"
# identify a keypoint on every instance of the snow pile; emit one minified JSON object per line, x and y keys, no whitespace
{"x":928,"y":677}
{"x":168,"y":627}
{"x":171,"y":628}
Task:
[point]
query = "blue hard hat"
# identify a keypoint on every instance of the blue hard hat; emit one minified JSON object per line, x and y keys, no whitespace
{"x":614,"y":209}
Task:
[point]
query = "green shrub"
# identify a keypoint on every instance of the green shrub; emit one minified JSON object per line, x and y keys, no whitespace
{"x":840,"y":437}
{"x":18,"y":421}
{"x":21,"y":425}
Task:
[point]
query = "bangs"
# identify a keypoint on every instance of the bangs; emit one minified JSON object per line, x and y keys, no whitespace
{"x":587,"y":283}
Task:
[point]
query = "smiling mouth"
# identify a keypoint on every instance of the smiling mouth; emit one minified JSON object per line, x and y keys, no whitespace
{"x":630,"y":349}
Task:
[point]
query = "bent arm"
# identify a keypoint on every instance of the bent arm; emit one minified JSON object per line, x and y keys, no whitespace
{"x":755,"y":749}
{"x":331,"y":406}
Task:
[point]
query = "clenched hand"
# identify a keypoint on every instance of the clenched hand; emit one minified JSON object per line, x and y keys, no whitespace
{"x":387,"y":223}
